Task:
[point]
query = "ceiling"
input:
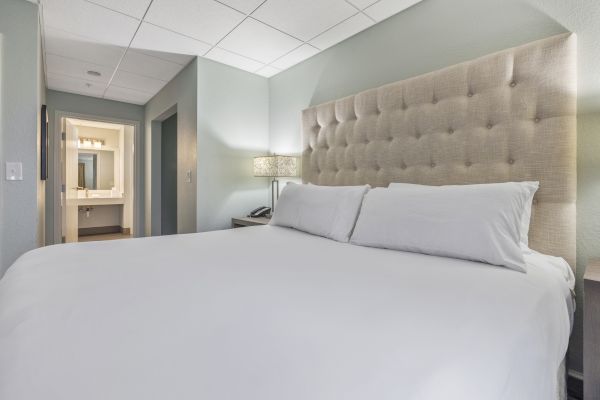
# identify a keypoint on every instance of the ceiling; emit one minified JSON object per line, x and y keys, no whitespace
{"x":127,"y":50}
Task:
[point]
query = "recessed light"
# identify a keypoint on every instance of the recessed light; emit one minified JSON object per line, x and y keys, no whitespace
{"x":94,"y":73}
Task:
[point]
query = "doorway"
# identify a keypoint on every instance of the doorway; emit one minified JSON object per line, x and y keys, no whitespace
{"x":98,"y":180}
{"x":168,"y":172}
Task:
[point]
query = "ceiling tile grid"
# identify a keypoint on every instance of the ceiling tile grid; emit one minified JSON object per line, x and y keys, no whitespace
{"x":128,"y":50}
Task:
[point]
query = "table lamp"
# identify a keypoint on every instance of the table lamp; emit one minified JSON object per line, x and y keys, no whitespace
{"x":275,"y":167}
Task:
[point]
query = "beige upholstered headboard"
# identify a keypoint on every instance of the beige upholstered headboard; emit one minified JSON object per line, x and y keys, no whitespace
{"x":508,"y":116}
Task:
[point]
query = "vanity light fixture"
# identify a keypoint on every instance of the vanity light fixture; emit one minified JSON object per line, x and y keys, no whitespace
{"x":90,"y":143}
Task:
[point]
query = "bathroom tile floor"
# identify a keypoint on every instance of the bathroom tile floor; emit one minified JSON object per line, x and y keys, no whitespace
{"x":106,"y":236}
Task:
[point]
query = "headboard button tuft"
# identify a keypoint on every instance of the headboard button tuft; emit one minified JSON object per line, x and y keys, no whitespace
{"x":537,"y":119}
{"x":468,"y":163}
{"x":432,"y":165}
{"x":490,"y":126}
{"x":513,"y":84}
{"x":470,"y":94}
{"x":511,"y":161}
{"x":450,"y":131}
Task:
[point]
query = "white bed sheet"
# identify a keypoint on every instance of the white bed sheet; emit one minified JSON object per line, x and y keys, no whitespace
{"x":269,"y":313}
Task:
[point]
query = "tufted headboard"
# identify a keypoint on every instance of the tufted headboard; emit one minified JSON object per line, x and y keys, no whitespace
{"x":508,"y":116}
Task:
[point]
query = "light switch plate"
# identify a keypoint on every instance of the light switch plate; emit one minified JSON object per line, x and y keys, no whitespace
{"x":14,"y":171}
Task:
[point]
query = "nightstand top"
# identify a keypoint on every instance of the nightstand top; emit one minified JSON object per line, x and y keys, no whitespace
{"x":248,"y":221}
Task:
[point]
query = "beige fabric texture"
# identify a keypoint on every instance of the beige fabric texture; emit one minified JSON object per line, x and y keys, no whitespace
{"x":508,"y":116}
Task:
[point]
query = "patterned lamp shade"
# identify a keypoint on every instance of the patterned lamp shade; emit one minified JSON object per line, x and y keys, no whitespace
{"x":276,"y":166}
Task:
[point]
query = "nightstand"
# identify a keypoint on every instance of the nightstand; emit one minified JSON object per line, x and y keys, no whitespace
{"x":247,"y":221}
{"x":591,"y":331}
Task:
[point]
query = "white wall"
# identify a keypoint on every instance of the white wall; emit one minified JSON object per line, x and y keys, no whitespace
{"x":233,"y":127}
{"x":21,"y":95}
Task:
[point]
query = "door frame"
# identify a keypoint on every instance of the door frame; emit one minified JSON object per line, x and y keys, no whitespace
{"x":138,"y":199}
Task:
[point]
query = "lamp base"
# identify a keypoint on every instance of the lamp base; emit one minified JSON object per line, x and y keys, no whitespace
{"x":274,"y":194}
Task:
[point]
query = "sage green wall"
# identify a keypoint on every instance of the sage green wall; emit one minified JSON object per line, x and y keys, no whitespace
{"x":180,"y":95}
{"x":233,"y":127}
{"x":434,"y":34}
{"x":20,"y":95}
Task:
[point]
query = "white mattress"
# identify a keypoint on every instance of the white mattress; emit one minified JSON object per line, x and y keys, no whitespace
{"x":268,"y":313}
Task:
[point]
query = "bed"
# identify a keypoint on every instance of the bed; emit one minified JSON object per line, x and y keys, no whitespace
{"x":274,"y":313}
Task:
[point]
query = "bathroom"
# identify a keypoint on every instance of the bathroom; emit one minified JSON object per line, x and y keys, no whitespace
{"x":98,"y":180}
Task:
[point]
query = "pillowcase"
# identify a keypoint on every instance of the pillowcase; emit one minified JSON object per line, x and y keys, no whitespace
{"x":525,"y":218}
{"x":328,"y":211}
{"x":473,"y":222}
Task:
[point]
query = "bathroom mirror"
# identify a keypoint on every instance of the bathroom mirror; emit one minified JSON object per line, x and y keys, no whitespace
{"x":96,"y":170}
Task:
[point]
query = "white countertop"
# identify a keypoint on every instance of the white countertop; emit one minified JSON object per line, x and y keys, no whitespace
{"x":98,"y":201}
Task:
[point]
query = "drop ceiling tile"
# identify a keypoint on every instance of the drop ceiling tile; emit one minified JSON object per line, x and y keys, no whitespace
{"x":362,"y":4}
{"x":134,"y":8}
{"x":304,"y":19}
{"x":72,"y":85}
{"x":300,"y":54}
{"x":140,"y":83}
{"x":229,"y":58}
{"x":151,"y":37}
{"x":149,"y":66}
{"x":258,"y":41}
{"x":90,"y":20}
{"x":204,"y":20}
{"x":386,"y":8}
{"x":343,"y":31}
{"x":127,"y":95}
{"x":268,"y":71}
{"x":245,"y":6}
{"x":181,"y":59}
{"x":68,"y":45}
{"x":77,"y":69}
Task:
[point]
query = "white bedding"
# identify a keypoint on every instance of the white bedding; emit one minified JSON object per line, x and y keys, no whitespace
{"x":269,"y":313}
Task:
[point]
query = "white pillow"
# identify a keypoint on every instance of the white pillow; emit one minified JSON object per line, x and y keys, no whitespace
{"x":328,"y":211}
{"x":531,"y":187}
{"x":472,"y":222}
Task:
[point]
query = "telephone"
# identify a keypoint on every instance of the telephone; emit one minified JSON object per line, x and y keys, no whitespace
{"x":259,"y":212}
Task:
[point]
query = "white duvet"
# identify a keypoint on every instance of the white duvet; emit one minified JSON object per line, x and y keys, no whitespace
{"x":268,"y":313}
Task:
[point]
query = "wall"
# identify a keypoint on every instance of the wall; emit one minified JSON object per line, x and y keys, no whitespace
{"x":20,"y":98}
{"x":99,"y":108}
{"x":233,"y":127}
{"x":438,"y":33}
{"x":41,"y":185}
{"x":168,"y":173}
{"x":179,"y":94}
{"x":100,"y":216}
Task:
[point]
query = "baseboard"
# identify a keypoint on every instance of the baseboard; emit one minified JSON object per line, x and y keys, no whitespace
{"x":99,"y":230}
{"x":575,"y":384}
